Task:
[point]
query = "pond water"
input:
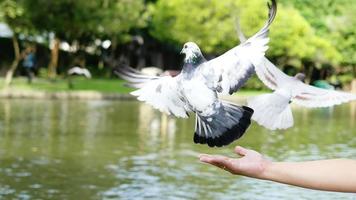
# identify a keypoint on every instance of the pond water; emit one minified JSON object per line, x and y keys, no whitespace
{"x":126,"y":150}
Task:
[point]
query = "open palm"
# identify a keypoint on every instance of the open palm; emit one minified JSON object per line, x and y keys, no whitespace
{"x":251,"y":163}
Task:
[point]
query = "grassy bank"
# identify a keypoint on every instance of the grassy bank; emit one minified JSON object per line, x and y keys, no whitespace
{"x":62,"y":85}
{"x":82,"y":84}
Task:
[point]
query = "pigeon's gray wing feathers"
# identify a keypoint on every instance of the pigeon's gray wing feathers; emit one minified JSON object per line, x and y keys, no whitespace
{"x":160,"y":92}
{"x":310,"y":96}
{"x":230,"y":71}
{"x":134,"y":78}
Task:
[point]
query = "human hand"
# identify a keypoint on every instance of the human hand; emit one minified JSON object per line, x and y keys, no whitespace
{"x":251,"y":164}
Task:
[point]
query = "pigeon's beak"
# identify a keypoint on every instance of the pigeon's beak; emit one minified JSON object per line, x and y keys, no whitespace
{"x":183,"y":51}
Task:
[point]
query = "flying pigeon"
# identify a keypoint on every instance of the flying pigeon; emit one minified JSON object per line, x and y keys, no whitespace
{"x":273,"y":111}
{"x":195,"y":89}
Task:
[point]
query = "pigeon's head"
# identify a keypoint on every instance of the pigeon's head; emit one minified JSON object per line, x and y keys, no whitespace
{"x":192,"y":53}
{"x":300,"y":76}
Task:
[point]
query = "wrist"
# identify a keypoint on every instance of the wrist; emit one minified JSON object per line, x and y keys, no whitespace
{"x":267,"y":172}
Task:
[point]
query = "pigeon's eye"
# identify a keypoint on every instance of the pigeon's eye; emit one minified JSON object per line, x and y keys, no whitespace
{"x":185,"y":46}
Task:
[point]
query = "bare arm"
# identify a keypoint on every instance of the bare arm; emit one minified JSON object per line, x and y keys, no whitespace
{"x":330,"y":175}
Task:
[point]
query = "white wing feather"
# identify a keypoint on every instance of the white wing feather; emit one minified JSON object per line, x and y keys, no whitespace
{"x":162,"y":94}
{"x":310,"y":96}
{"x":230,"y":71}
{"x":271,"y":111}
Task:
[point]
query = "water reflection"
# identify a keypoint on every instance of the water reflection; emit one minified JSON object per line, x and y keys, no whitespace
{"x":127,"y":150}
{"x":160,"y":127}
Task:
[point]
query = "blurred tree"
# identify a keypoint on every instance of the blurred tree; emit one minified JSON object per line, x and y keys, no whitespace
{"x":67,"y":20}
{"x":335,"y":21}
{"x":293,"y":40}
{"x":84,"y":21}
{"x":343,"y":35}
{"x":208,"y":23}
{"x":211,"y":24}
{"x":317,"y":12}
{"x":115,"y":20}
{"x":13,"y":14}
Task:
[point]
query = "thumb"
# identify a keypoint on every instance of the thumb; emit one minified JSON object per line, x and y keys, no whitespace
{"x":240,"y":151}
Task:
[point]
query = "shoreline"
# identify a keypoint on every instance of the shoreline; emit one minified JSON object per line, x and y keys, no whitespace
{"x":86,"y":95}
{"x":72,"y":95}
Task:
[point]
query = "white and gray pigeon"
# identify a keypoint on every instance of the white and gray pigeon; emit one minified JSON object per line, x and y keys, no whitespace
{"x":273,"y":110}
{"x":196,"y":88}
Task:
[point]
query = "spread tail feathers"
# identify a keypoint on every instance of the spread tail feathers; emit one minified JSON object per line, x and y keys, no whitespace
{"x":272,"y":111}
{"x":229,"y":123}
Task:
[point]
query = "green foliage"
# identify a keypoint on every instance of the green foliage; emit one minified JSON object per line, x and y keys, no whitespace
{"x":10,"y":9}
{"x":13,"y":13}
{"x":66,"y":18}
{"x":317,"y":12}
{"x":292,"y":37}
{"x":117,"y":18}
{"x":333,"y":20}
{"x":86,"y":20}
{"x":343,"y":36}
{"x":320,"y":32}
{"x":210,"y":24}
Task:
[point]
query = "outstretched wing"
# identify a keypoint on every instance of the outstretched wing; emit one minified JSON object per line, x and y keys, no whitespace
{"x":239,"y":32}
{"x":270,"y":75}
{"x":160,"y":92}
{"x":310,"y":96}
{"x":229,"y":72}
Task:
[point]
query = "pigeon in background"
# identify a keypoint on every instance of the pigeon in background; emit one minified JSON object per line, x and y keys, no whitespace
{"x":79,"y":71}
{"x":195,"y":89}
{"x":272,"y":110}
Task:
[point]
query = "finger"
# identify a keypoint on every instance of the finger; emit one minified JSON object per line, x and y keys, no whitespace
{"x":204,"y":155}
{"x":205,"y":158}
{"x":240,"y":150}
{"x":209,"y":158}
{"x":219,"y":161}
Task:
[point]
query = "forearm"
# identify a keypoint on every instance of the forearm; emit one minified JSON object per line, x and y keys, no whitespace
{"x":332,"y":175}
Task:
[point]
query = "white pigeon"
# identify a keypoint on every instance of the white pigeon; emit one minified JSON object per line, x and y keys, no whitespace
{"x":79,"y":71}
{"x":273,"y":110}
{"x":195,"y":89}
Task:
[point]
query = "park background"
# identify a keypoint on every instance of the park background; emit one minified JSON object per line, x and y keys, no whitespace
{"x":64,"y":137}
{"x":313,"y":37}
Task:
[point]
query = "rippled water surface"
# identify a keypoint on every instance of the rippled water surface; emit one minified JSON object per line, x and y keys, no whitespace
{"x":126,"y":150}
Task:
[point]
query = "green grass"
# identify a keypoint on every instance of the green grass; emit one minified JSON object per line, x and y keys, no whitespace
{"x":62,"y":85}
{"x":82,"y":84}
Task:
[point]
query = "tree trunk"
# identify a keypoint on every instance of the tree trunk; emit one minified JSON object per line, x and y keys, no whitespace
{"x":15,"y":63}
{"x":52,"y":67}
{"x":309,"y":74}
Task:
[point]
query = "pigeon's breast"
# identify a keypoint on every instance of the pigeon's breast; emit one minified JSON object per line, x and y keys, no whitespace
{"x":199,"y":97}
